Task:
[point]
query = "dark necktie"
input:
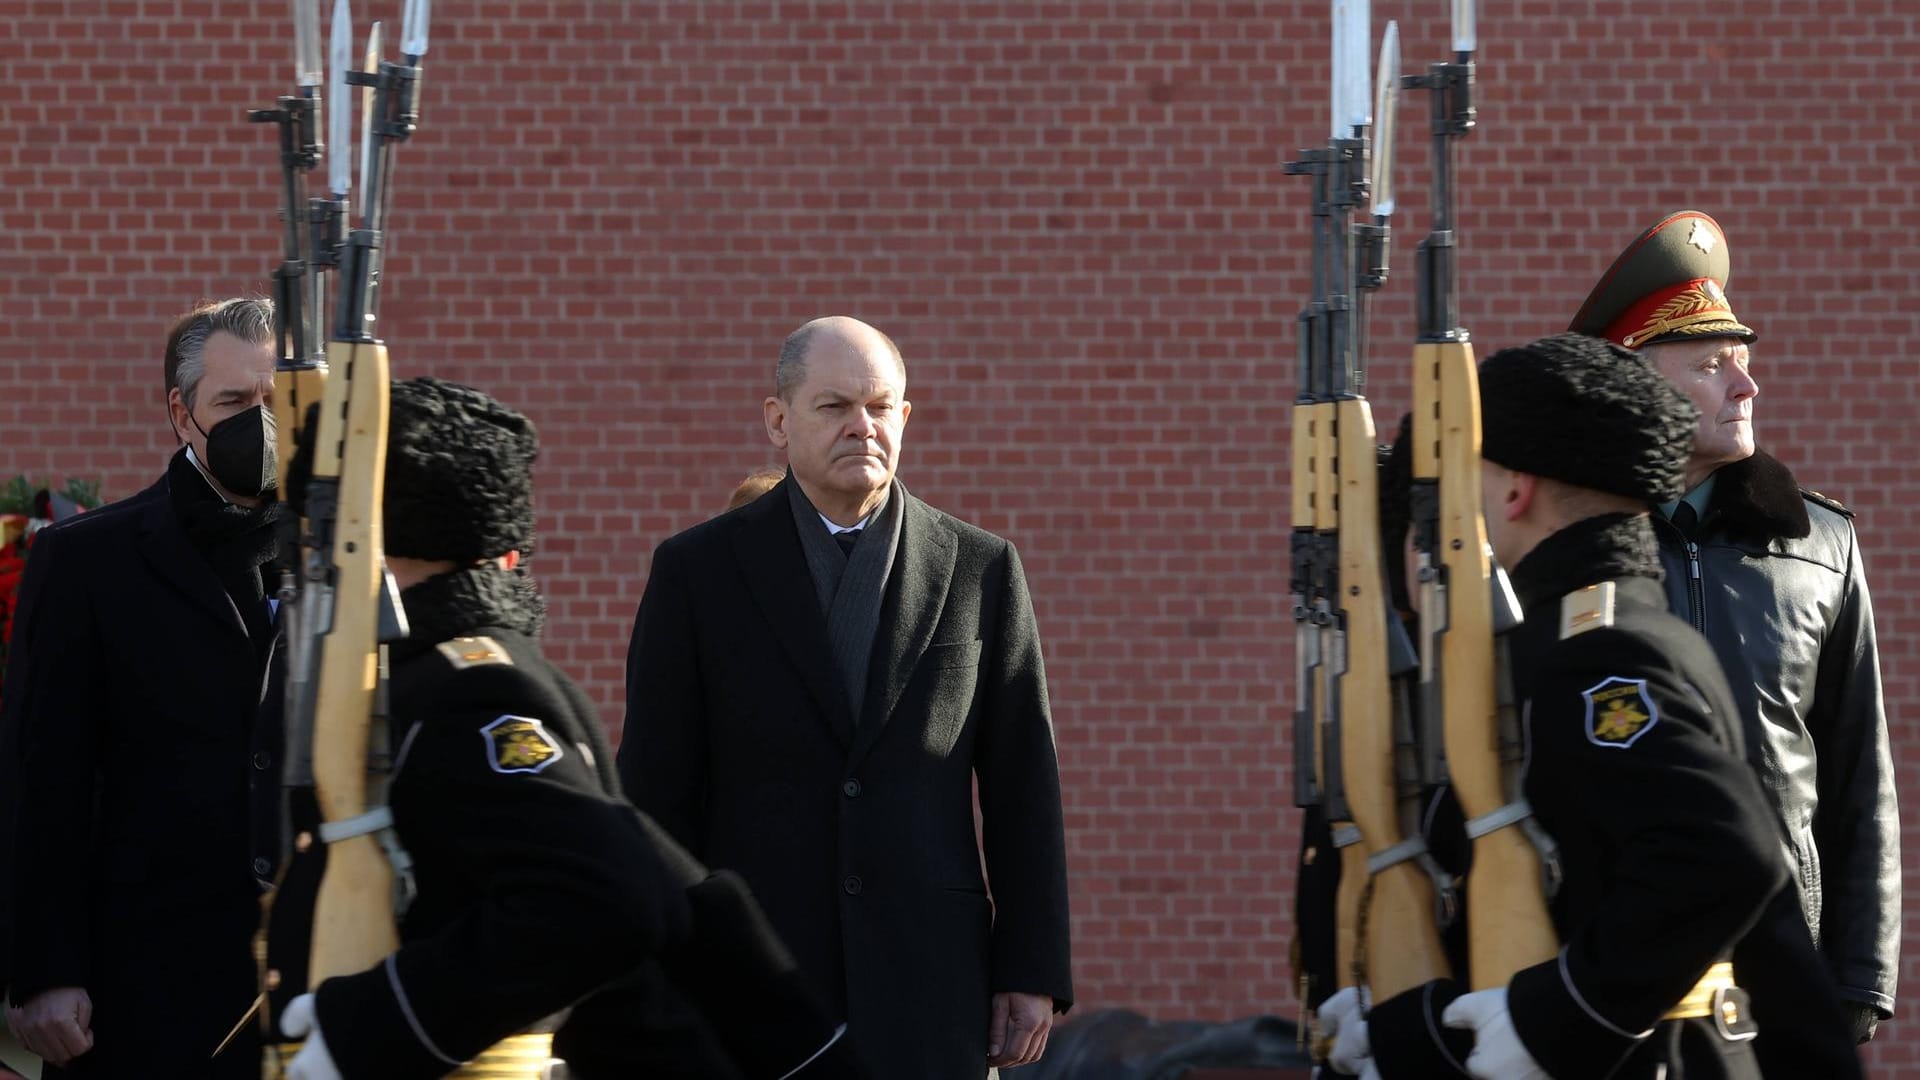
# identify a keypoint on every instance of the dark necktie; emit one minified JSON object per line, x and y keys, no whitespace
{"x":846,"y":540}
{"x":1685,"y":518}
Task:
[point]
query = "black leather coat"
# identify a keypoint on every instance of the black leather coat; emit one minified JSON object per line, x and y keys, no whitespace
{"x":1772,"y":576}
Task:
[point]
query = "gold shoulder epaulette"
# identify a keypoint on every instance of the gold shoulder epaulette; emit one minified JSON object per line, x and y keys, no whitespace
{"x":466,"y":652}
{"x":1584,"y":609}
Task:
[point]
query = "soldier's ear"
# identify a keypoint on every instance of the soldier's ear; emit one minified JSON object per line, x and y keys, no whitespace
{"x":1505,"y":494}
{"x":1522,"y":489}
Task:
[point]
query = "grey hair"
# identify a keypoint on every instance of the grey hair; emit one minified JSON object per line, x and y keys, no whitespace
{"x":791,"y":370}
{"x":249,"y":318}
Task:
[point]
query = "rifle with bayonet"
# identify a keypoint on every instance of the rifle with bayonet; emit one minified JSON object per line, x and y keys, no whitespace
{"x":1466,"y":605}
{"x":1353,"y":657}
{"x":312,"y":235}
{"x":343,"y":881}
{"x":309,"y":242}
{"x":1316,"y":959}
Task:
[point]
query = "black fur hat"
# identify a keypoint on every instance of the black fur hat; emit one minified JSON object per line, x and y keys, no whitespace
{"x":1587,"y":412}
{"x":459,"y":474}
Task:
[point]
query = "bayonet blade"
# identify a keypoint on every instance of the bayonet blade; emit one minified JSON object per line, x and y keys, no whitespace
{"x":372,"y":67}
{"x":340,"y":119}
{"x":1465,"y":34}
{"x":1386,"y":102}
{"x":413,"y":29}
{"x":306,"y":43}
{"x":1355,"y":97}
{"x":1335,"y":114}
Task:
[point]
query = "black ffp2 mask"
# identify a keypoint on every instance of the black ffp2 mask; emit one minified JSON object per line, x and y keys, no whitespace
{"x":243,"y":452}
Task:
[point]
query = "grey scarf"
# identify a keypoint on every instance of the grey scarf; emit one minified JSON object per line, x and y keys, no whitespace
{"x":850,"y":588}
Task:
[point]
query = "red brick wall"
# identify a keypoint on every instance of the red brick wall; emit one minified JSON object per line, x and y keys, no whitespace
{"x":1073,"y":217}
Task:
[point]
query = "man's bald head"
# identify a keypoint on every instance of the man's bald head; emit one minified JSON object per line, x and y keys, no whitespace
{"x":838,"y":410}
{"x":829,"y":330}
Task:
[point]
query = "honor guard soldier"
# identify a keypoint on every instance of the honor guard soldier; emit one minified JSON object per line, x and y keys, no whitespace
{"x":538,"y":885}
{"x":1634,"y":762}
{"x":1771,"y":574}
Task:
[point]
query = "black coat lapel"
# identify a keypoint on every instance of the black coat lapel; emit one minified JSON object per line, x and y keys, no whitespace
{"x":922,"y":572}
{"x":768,"y":547}
{"x":270,"y":661}
{"x":164,"y":544}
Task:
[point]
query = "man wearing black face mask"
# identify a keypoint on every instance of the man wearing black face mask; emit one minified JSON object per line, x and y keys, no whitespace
{"x":137,"y":740}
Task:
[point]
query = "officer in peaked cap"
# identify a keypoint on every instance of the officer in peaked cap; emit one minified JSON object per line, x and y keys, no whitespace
{"x":541,"y":891}
{"x":1669,"y":285}
{"x":1771,"y":573}
{"x":1667,"y":851}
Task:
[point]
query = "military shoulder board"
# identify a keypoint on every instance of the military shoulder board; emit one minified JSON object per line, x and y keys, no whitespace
{"x":1586,"y":609}
{"x":466,"y":652}
{"x":1827,"y":501}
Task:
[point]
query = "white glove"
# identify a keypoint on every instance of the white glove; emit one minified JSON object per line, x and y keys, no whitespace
{"x":1340,"y":1018}
{"x":1498,"y":1053}
{"x":313,"y":1062}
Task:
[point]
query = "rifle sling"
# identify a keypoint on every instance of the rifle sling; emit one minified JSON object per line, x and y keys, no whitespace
{"x":1520,"y":812}
{"x":1411,"y":848}
{"x":379,"y":822}
{"x":380,"y":817}
{"x":1514,"y":812}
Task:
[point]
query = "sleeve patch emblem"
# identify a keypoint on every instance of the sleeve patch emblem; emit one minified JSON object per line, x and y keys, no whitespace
{"x":1619,"y":711}
{"x":518,"y":744}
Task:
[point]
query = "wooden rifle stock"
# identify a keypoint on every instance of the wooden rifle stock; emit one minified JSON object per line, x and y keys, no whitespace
{"x":1391,"y":912}
{"x":294,"y":388}
{"x":1353,"y":858}
{"x":353,"y":922}
{"x":1508,"y":925}
{"x":337,"y":900}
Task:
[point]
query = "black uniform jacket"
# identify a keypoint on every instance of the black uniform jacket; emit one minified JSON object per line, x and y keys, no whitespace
{"x":538,"y":885}
{"x":858,"y":839}
{"x":1670,"y":856}
{"x":1773,"y":577}
{"x":138,"y":776}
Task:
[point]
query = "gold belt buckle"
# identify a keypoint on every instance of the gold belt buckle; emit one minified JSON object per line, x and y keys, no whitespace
{"x":517,"y":1057}
{"x":1706,"y":996}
